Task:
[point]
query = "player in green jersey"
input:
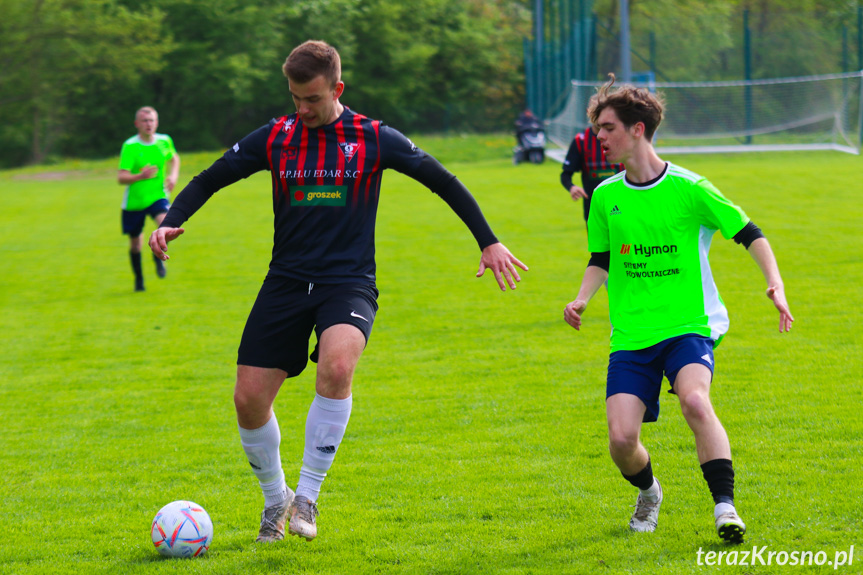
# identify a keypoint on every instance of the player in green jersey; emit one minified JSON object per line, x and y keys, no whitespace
{"x":149,"y":168}
{"x":649,"y":233}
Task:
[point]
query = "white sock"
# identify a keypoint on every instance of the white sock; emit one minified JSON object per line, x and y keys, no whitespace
{"x":325,"y":428}
{"x":723,"y":508}
{"x":262,"y":449}
{"x":653,"y":492}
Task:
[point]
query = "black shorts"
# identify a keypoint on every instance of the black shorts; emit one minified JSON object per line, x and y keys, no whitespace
{"x":133,"y":220}
{"x":281,"y":321}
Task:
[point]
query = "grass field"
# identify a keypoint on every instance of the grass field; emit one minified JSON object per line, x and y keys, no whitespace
{"x":477,"y":442}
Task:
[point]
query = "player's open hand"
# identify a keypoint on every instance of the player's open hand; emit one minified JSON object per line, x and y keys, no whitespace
{"x":777,"y":294}
{"x":572,"y":313}
{"x":577,"y":193}
{"x":170,"y":183}
{"x":159,"y":241}
{"x":502,"y":263}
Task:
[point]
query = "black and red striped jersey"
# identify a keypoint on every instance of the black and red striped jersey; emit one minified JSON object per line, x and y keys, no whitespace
{"x":585,"y":155}
{"x":326,"y":183}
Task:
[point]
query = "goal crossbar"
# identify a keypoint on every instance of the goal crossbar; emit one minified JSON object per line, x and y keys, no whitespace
{"x":823,"y":112}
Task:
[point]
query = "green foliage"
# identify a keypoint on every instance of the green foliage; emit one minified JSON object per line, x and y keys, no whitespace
{"x":701,"y":40}
{"x":228,"y":59}
{"x":436,"y":64}
{"x":79,"y":69}
{"x":74,"y":71}
{"x":477,"y":443}
{"x":709,"y":35}
{"x":52,"y":50}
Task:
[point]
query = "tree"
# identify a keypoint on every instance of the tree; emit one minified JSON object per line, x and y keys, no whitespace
{"x":435,"y":64}
{"x":700,"y":40}
{"x":49,"y":46}
{"x":75,"y":71}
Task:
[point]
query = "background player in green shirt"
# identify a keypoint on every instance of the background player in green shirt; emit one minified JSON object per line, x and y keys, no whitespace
{"x":649,"y":233}
{"x":149,"y":168}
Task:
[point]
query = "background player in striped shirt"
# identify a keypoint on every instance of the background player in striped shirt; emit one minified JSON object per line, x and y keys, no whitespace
{"x":585,"y":155}
{"x":326,"y":163}
{"x":649,"y":234}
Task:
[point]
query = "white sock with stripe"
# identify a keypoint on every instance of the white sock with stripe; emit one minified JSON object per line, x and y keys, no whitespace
{"x":325,"y":428}
{"x":262,"y":449}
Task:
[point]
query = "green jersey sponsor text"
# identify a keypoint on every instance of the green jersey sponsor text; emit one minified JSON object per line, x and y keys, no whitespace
{"x":660,"y":284}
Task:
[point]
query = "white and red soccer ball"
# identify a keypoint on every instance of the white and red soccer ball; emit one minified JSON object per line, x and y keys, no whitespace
{"x":182,"y":529}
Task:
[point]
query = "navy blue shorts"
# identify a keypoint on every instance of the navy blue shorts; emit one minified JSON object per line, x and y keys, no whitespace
{"x":640,"y":372}
{"x":133,"y":220}
{"x":287,"y":310}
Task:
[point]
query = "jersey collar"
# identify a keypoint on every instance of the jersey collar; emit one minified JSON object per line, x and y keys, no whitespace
{"x":649,"y":184}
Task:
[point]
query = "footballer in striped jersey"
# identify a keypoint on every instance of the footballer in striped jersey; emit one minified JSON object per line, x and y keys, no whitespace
{"x":326,"y":162}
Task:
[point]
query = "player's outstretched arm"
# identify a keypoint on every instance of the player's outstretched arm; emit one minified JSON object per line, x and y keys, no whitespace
{"x":763,"y":255}
{"x":502,"y":263}
{"x":594,"y":277}
{"x":194,"y":195}
{"x":159,"y":241}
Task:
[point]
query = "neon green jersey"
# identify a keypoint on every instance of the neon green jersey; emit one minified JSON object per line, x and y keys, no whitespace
{"x":135,"y":155}
{"x":659,"y":280}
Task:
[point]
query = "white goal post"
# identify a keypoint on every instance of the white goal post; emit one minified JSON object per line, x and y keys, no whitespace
{"x":823,"y":112}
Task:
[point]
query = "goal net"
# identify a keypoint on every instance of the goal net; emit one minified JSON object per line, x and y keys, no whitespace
{"x":822,"y":112}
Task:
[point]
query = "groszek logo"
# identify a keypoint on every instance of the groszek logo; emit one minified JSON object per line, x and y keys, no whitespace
{"x":318,"y":195}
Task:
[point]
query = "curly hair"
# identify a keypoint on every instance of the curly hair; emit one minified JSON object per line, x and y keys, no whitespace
{"x":631,"y":104}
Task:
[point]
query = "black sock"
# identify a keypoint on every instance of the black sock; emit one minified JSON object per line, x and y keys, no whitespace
{"x":643,"y":479}
{"x":136,"y":265}
{"x":159,"y":263}
{"x":719,"y":474}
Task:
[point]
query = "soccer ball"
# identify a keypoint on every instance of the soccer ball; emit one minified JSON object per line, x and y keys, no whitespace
{"x":182,"y":529}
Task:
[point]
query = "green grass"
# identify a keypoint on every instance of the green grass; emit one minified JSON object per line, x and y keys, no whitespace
{"x":477,"y":442}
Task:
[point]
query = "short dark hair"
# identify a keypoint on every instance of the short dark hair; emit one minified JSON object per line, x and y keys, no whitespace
{"x":311,"y":59}
{"x":631,"y":104}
